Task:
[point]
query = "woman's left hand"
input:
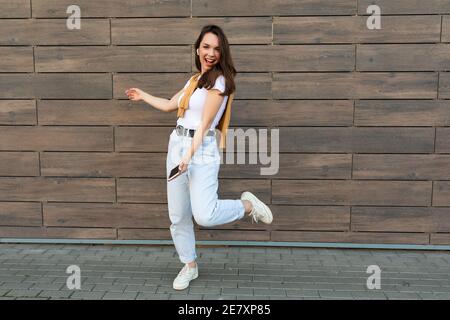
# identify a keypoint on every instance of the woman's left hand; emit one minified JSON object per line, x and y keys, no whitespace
{"x":184,"y":163}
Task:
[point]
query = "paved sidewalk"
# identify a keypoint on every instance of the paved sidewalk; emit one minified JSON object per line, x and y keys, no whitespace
{"x":38,"y":271}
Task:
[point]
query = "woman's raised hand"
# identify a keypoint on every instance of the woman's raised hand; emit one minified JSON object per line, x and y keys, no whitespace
{"x":134,"y":94}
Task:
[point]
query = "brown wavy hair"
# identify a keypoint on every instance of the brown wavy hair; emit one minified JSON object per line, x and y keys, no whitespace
{"x":225,"y":65}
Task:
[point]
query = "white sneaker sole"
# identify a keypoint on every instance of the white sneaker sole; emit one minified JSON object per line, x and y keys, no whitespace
{"x":252,"y":198}
{"x":187,"y":285}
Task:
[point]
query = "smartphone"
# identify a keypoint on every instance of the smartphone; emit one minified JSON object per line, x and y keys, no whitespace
{"x":175,"y":172}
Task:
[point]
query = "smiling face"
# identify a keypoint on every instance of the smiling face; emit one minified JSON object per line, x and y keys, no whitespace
{"x":209,"y":51}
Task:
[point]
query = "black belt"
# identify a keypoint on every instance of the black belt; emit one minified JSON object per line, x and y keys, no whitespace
{"x":190,"y":132}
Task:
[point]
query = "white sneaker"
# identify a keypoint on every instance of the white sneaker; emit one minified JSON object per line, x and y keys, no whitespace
{"x":186,"y":274}
{"x":260,"y":211}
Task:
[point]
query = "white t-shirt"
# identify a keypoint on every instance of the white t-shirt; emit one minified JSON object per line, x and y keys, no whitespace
{"x":193,"y":115}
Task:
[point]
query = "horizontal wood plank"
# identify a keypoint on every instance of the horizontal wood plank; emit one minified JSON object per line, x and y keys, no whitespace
{"x":352,"y":192}
{"x":18,"y":112}
{"x":402,"y":113}
{"x":251,"y":85}
{"x":57,"y":189}
{"x":272,"y":7}
{"x":393,"y":85}
{"x":131,"y":139}
{"x":444,"y":85}
{"x":58,"y":233}
{"x":232,"y":235}
{"x":404,"y":219}
{"x":92,"y":164}
{"x":325,"y":218}
{"x":55,"y":86}
{"x":152,"y":165}
{"x":290,"y":166}
{"x":440,"y":238}
{"x":105,"y":215}
{"x":358,"y":140}
{"x":401,"y":167}
{"x":100,"y":112}
{"x":278,"y":113}
{"x":353,"y":29}
{"x":39,"y":138}
{"x":403,"y":57}
{"x":144,"y":234}
{"x":406,"y":6}
{"x":442,"y":140}
{"x":19,"y":163}
{"x":113,"y":59}
{"x":155,"y":190}
{"x":106,"y":8}
{"x":16,"y":59}
{"x":22,"y":214}
{"x":294,"y":58}
{"x":30,"y":32}
{"x":441,"y":193}
{"x":445,"y":36}
{"x":15,"y":9}
{"x":166,"y":31}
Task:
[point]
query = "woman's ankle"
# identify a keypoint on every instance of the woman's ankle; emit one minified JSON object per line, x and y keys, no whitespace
{"x":247,"y":205}
{"x":192,"y":264}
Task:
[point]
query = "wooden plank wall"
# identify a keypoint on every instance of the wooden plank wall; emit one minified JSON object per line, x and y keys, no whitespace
{"x":364,"y":117}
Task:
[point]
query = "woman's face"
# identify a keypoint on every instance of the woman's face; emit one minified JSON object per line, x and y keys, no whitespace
{"x":209,"y":51}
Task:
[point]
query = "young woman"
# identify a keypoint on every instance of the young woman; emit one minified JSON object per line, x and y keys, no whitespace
{"x":202,"y":106}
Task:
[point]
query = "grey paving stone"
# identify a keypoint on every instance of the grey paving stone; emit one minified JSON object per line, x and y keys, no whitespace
{"x":269,"y":292}
{"x":48,"y":286}
{"x":234,"y":291}
{"x":149,"y":296}
{"x":300,"y":272}
{"x":139,"y":288}
{"x":258,"y":297}
{"x":109,"y":288}
{"x":335,"y":294}
{"x":20,"y":293}
{"x":16,"y":285}
{"x":39,"y":279}
{"x":33,"y":251}
{"x":55,"y":294}
{"x":87,"y":295}
{"x":402,"y":295}
{"x":97,"y":280}
{"x":153,"y":282}
{"x":120,"y":296}
{"x":169,"y":289}
{"x":204,"y":290}
{"x":249,"y":284}
{"x":198,"y":283}
{"x":268,"y":278}
{"x":4,"y":291}
{"x":175,"y":296}
{"x":237,"y":278}
{"x":219,"y":297}
{"x":423,"y":289}
{"x":228,"y":284}
{"x":302,"y":293}
{"x":369,"y":295}
{"x":434,"y":296}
